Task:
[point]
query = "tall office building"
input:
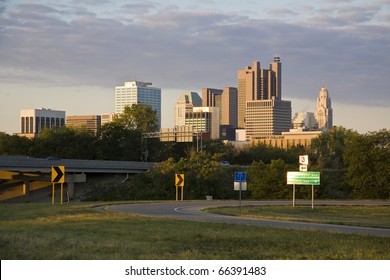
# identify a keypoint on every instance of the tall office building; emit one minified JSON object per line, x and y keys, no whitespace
{"x":185,"y":103}
{"x":255,"y":83}
{"x":324,"y":111}
{"x":225,"y":100}
{"x":32,"y":121}
{"x":261,"y":110}
{"x":204,"y":120}
{"x":265,"y":118}
{"x":136,"y":92}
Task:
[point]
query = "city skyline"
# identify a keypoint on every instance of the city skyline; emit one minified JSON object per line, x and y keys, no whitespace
{"x":67,"y":55}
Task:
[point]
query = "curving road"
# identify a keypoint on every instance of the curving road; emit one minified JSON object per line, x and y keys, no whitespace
{"x":192,"y":211}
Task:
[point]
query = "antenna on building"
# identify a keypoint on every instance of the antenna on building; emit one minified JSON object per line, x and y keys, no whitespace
{"x":323,"y":84}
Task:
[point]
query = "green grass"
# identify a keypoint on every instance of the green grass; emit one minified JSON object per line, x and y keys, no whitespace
{"x":77,"y":231}
{"x":367,"y":216}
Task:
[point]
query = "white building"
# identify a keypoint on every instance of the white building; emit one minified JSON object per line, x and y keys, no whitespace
{"x":305,"y":120}
{"x":324,"y":112}
{"x":135,"y":92}
{"x":32,"y":121}
{"x":185,"y":103}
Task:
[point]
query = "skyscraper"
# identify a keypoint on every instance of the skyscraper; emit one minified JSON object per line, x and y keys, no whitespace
{"x":261,"y":110}
{"x":136,"y":92}
{"x":255,"y":83}
{"x":265,"y":118}
{"x":248,"y":90}
{"x":324,"y":111}
{"x":225,"y":100}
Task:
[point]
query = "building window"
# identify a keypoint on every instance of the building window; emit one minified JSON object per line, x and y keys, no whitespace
{"x":42,"y":123}
{"x":37,"y":124}
{"x":23,"y":125}
{"x":31,"y":124}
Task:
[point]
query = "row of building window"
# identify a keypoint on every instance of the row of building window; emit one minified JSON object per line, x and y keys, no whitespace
{"x":28,"y":125}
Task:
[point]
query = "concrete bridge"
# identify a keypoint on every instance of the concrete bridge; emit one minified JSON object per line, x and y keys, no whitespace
{"x":20,"y":174}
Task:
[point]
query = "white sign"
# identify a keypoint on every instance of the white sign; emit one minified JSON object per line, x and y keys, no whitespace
{"x":303,"y":168}
{"x":304,"y":160}
{"x":237,"y":186}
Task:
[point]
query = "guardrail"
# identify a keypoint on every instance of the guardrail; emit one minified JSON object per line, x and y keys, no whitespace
{"x":28,"y":164}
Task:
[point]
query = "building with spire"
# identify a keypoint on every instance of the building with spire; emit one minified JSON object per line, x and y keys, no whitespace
{"x":324,"y":111}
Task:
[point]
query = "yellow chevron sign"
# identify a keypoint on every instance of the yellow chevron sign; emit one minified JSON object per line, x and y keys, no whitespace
{"x":58,"y":174}
{"x":179,"y":180}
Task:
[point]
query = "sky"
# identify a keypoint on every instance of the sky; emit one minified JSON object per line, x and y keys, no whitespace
{"x":69,"y":55}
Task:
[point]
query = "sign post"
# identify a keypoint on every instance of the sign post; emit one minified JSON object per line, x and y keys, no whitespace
{"x":57,"y":176}
{"x":240,"y":183}
{"x":179,"y":183}
{"x":303,"y":178}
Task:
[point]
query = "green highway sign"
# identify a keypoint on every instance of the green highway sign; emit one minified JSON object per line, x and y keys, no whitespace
{"x":303,"y":178}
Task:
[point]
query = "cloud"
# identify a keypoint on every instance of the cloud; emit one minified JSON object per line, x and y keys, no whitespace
{"x":68,"y":45}
{"x":138,"y":8}
{"x":282,"y":12}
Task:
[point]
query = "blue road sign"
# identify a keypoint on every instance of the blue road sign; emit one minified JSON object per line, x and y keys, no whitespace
{"x":240,"y":176}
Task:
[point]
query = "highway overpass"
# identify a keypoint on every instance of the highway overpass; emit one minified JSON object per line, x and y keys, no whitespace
{"x":20,"y":174}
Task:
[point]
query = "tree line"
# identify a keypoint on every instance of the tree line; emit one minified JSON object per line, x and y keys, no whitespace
{"x":352,"y":165}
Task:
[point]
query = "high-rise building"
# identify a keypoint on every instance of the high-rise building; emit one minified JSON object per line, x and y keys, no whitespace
{"x":248,"y":90}
{"x":265,"y":118}
{"x":32,"y":121}
{"x":185,"y":103}
{"x":90,"y":122}
{"x":204,"y":119}
{"x":135,"y":92}
{"x":255,"y":83}
{"x":324,"y":111}
{"x":261,"y":110}
{"x":225,"y":100}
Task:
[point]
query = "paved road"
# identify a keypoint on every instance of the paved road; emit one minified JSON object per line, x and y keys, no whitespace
{"x":192,"y":211}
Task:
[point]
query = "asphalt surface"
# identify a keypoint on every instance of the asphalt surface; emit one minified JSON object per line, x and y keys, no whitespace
{"x":192,"y":211}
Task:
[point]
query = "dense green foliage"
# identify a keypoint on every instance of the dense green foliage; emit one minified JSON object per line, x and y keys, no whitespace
{"x":352,"y":165}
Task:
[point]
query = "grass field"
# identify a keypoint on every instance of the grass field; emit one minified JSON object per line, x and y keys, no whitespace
{"x":77,"y":231}
{"x":367,"y":216}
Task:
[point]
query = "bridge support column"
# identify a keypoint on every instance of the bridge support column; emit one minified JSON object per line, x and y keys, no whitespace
{"x":70,"y":188}
{"x":26,"y":187}
{"x":71,"y":179}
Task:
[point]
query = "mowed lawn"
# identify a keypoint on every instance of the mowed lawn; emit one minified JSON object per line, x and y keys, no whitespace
{"x":77,"y":231}
{"x":365,"y":216}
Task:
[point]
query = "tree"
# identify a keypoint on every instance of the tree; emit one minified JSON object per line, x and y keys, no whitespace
{"x":139,"y":117}
{"x":268,"y":181}
{"x":328,"y":149}
{"x":116,"y":142}
{"x":368,"y":164}
{"x":65,"y":142}
{"x":14,"y":145}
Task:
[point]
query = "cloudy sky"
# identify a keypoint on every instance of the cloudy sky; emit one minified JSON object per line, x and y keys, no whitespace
{"x":69,"y":55}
